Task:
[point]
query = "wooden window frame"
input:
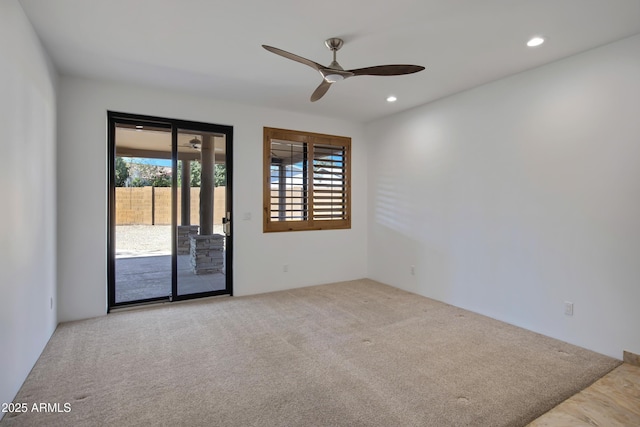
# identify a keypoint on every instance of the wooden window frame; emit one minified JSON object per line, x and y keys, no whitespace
{"x":312,"y":140}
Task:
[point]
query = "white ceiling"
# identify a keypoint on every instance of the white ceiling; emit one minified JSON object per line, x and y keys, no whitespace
{"x":214,"y":46}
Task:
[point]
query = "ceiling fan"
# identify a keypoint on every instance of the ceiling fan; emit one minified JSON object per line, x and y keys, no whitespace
{"x":334,"y":72}
{"x":194,"y":143}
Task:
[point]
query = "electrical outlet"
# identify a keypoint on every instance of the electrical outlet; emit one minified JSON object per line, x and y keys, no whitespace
{"x":285,"y":268}
{"x":568,"y":308}
{"x":412,"y":269}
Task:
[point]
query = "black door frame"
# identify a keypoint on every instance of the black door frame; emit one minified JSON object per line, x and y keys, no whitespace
{"x":172,"y":125}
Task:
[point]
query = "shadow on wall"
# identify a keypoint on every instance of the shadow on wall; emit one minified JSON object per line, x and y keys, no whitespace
{"x":394,"y":208}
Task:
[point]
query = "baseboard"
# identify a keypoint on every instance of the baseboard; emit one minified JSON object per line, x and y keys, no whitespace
{"x":631,"y":358}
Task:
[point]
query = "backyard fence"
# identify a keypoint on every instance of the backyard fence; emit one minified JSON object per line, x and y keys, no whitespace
{"x":152,"y":205}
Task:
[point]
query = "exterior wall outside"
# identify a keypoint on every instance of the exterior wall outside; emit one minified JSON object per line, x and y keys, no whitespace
{"x":152,"y":205}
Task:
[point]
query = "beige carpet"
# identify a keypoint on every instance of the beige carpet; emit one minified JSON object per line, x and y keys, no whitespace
{"x":347,"y":354}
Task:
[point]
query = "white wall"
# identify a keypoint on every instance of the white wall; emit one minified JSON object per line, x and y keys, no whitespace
{"x":313,"y":257}
{"x":28,"y":213}
{"x":516,"y":196}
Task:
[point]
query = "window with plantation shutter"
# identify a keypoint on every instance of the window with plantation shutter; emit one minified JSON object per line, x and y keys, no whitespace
{"x":306,"y":181}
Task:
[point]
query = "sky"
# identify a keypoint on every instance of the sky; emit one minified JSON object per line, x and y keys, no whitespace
{"x":147,"y":161}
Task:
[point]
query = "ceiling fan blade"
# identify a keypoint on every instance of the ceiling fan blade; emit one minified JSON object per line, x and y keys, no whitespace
{"x":293,"y":57}
{"x":387,"y":70}
{"x":320,"y":91}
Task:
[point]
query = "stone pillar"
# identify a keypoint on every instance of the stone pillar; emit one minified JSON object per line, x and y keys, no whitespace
{"x":185,"y":195}
{"x":184,"y":238}
{"x":206,"y":185}
{"x":207,"y":254}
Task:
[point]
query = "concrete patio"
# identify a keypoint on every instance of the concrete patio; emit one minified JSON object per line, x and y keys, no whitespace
{"x":143,"y":266}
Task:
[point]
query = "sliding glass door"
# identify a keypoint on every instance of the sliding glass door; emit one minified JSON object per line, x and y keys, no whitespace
{"x":203,"y":208}
{"x":169,"y":209}
{"x":142,"y":238}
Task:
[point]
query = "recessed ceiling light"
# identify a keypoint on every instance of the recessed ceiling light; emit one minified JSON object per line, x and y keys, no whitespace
{"x":535,"y":41}
{"x":391,"y":98}
{"x":139,"y":128}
